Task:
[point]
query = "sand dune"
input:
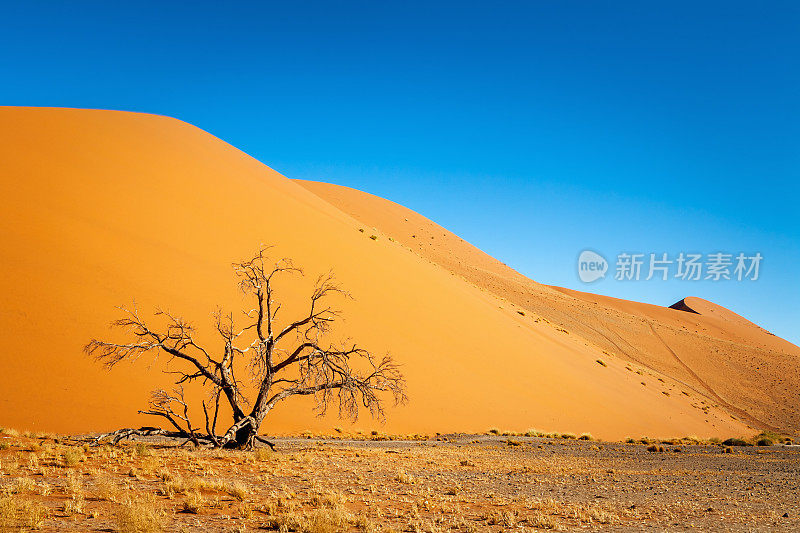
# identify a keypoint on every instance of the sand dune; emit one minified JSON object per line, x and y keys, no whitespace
{"x":102,"y":207}
{"x":709,"y":350}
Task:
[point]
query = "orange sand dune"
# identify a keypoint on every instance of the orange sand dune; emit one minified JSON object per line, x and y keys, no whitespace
{"x":710,"y":351}
{"x":101,"y":207}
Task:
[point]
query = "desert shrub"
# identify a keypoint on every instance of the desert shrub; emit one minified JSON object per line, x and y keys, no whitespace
{"x":586,"y":436}
{"x":24,"y":485}
{"x":106,"y":489}
{"x":494,"y":431}
{"x":237,"y":489}
{"x":74,"y":484}
{"x":72,"y":457}
{"x":21,"y":514}
{"x":601,"y":362}
{"x":501,"y":517}
{"x":735,"y":442}
{"x":655,"y":448}
{"x":140,"y":515}
{"x":764,"y":442}
{"x":263,"y":454}
{"x":328,"y":499}
{"x":142,"y":450}
{"x":771,"y":436}
{"x":405,"y":478}
{"x":74,"y":505}
{"x":373,"y":237}
{"x":193,"y":503}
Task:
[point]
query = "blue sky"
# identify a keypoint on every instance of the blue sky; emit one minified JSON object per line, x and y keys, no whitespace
{"x":533,"y":129}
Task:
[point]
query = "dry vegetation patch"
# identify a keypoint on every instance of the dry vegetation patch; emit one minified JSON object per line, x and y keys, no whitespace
{"x":531,"y":481}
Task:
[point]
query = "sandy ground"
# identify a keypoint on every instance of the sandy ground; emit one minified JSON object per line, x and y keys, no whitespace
{"x":443,"y":483}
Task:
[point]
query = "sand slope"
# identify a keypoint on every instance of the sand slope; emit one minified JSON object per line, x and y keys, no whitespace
{"x":710,"y":350}
{"x":102,"y":207}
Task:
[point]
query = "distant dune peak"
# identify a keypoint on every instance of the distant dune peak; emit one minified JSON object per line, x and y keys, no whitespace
{"x":682,"y":306}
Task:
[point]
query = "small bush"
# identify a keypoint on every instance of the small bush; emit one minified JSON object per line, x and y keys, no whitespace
{"x":140,"y":516}
{"x":193,"y":503}
{"x":601,"y":362}
{"x":494,"y":431}
{"x":72,"y":457}
{"x":237,"y":489}
{"x":405,"y":478}
{"x":764,"y":442}
{"x":263,"y":454}
{"x":735,"y":442}
{"x":142,"y":450}
{"x":373,"y":237}
{"x":74,"y":505}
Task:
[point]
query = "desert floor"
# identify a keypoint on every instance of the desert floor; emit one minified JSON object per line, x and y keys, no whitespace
{"x":442,"y":483}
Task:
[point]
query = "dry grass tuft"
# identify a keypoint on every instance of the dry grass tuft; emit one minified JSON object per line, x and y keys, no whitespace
{"x":140,"y":515}
{"x":72,"y":457}
{"x":193,"y":503}
{"x":75,"y":505}
{"x":405,"y":478}
{"x":21,"y":513}
{"x":237,"y":489}
{"x":501,"y":517}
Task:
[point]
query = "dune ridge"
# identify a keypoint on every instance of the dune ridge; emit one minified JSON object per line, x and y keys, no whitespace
{"x":101,"y":207}
{"x":709,"y":350}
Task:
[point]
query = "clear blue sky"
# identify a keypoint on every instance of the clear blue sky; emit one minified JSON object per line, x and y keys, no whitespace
{"x":532,"y":129}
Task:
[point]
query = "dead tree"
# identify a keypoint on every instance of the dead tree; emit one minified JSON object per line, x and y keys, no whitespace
{"x":284,"y":360}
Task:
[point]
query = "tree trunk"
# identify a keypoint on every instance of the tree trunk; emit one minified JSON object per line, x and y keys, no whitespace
{"x":244,"y":439}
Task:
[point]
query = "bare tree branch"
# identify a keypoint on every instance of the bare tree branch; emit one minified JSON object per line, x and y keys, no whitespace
{"x":347,"y":375}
